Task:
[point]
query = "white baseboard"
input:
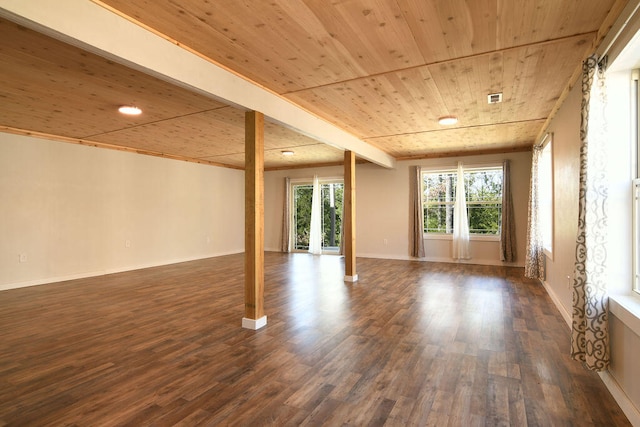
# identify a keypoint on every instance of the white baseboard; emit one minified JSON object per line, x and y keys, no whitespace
{"x":384,"y":256}
{"x":447,"y":260}
{"x":556,"y":301}
{"x":55,"y":279}
{"x":494,"y":262}
{"x":621,"y":398}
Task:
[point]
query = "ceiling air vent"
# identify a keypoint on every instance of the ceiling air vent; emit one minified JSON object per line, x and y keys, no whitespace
{"x":494,"y":98}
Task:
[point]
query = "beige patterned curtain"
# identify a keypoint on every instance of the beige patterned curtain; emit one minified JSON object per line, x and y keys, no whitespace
{"x":508,"y":229}
{"x":590,"y":326}
{"x":315,"y":228}
{"x":534,"y":259}
{"x":286,"y":215}
{"x":417,"y":217}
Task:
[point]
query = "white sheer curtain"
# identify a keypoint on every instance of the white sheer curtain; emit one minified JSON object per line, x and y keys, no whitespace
{"x":315,"y":233}
{"x":590,"y":325}
{"x":286,"y":217}
{"x":460,"y":221}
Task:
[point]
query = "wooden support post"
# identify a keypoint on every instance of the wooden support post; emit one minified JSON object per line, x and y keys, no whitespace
{"x":350,"y":217}
{"x":254,"y":317}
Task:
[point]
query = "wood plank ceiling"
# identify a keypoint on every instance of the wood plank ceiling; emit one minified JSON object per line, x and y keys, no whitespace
{"x":383,"y":70}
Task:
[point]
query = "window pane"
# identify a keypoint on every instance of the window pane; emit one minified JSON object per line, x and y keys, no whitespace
{"x":438,"y":218}
{"x":483,"y":188}
{"x":484,"y":218}
{"x":438,"y":197}
{"x":332,"y":195}
{"x":484,"y":200}
{"x":484,"y":185}
{"x":636,"y":231}
{"x":439,"y":187}
{"x":302,"y":215}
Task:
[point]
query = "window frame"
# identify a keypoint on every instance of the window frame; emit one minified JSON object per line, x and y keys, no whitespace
{"x":453,"y":169}
{"x":635,"y":245}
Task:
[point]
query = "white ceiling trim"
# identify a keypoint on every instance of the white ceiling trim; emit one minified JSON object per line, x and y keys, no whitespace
{"x":94,"y":28}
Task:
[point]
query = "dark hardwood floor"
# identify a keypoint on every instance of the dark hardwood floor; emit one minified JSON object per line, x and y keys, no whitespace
{"x":410,"y":344}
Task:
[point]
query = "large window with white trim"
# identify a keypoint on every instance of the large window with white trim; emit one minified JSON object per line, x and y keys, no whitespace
{"x":635,"y":202}
{"x":545,"y":195}
{"x":636,"y":234}
{"x":483,"y":188}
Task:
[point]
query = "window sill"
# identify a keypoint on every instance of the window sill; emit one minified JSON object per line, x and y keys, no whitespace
{"x":627,"y":309}
{"x":473,"y":237}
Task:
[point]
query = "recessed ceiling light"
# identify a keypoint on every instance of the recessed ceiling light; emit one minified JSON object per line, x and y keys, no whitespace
{"x":130,"y":110}
{"x":447,"y":120}
{"x":287,"y":153}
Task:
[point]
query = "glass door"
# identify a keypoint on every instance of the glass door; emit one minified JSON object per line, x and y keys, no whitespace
{"x":331,"y":193}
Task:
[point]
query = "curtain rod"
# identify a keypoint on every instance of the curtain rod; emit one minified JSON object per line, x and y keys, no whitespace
{"x":543,"y":139}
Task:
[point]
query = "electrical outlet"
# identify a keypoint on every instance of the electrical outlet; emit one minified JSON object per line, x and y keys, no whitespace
{"x":127,"y":243}
{"x":22,"y":257}
{"x":386,"y":242}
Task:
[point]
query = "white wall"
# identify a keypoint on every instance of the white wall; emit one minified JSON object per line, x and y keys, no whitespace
{"x":383,"y":211}
{"x":566,"y":169}
{"x":76,"y":211}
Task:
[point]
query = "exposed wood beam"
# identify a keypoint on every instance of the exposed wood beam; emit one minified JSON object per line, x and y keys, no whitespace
{"x":349,"y":228}
{"x":254,"y":317}
{"x":314,"y":165}
{"x":100,"y":30}
{"x":461,"y":153}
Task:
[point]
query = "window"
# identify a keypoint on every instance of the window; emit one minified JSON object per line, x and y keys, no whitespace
{"x":483,"y":187}
{"x":635,"y":203}
{"x":331,"y":212}
{"x":636,"y":232}
{"x":545,"y":194}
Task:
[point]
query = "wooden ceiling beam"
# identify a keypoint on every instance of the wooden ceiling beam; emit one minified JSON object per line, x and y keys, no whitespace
{"x":99,"y":30}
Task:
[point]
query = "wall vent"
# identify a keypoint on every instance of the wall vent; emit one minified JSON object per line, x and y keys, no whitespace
{"x":494,"y":98}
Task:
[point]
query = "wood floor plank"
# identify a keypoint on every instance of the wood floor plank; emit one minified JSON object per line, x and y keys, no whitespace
{"x":410,"y":343}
